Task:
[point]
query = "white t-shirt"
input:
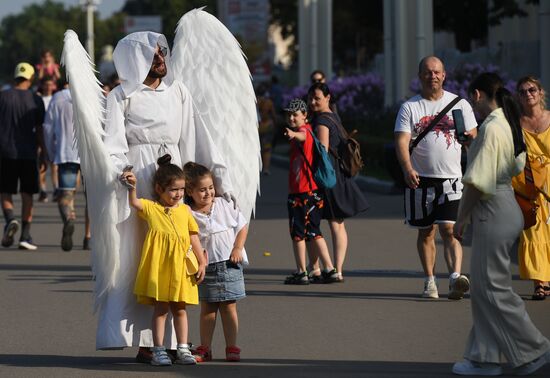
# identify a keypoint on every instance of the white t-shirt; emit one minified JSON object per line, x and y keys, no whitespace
{"x":438,"y":153}
{"x":219,"y":229}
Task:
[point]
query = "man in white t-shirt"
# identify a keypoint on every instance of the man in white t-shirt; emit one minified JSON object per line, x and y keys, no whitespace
{"x":432,"y":173}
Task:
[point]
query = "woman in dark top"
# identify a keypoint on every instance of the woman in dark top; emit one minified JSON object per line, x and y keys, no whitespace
{"x":345,"y":199}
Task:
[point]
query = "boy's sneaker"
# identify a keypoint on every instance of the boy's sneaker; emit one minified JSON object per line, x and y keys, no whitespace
{"x":202,"y":354}
{"x":297,"y":279}
{"x":233,"y":354}
{"x":43,"y":196}
{"x":67,"y":236}
{"x":27,"y":244}
{"x":160,"y":357}
{"x":184,"y":356}
{"x":330,"y":276}
{"x":430,"y":290}
{"x":458,"y":286}
{"x":10,"y":230}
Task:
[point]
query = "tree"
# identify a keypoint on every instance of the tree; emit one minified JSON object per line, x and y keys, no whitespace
{"x":469,"y":19}
{"x":357,"y":29}
{"x":170,"y":10}
{"x":39,"y":26}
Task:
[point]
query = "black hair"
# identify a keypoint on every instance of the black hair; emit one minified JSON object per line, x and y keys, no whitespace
{"x":319,"y":86}
{"x":316,"y":72}
{"x":194,"y":172}
{"x":166,"y":174}
{"x":492,"y":85}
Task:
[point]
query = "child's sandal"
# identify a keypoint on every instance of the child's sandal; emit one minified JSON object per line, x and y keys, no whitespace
{"x":202,"y":354}
{"x":233,"y":354}
{"x":539,"y":294}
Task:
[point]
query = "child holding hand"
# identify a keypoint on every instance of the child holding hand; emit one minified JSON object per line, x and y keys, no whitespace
{"x":169,"y":270}
{"x":223,"y":231}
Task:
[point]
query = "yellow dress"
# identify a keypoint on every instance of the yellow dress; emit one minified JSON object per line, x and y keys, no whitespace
{"x":162,"y":275}
{"x":534,"y":244}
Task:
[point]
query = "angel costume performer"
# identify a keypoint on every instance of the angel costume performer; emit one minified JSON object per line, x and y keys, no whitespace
{"x":141,"y":125}
{"x":212,"y":115}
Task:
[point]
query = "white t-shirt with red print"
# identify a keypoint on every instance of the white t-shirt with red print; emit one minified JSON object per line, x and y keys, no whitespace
{"x":438,"y":153}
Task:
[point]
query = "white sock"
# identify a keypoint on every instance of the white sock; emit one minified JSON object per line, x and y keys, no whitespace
{"x":184,"y":346}
{"x":430,"y":278}
{"x":454,"y":275}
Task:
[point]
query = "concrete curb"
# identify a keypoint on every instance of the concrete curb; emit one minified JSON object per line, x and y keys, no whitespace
{"x":367,"y":183}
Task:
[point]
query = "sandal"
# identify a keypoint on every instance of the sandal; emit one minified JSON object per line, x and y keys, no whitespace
{"x":546,"y":290}
{"x":297,"y":279}
{"x":539,"y":294}
{"x":233,"y":354}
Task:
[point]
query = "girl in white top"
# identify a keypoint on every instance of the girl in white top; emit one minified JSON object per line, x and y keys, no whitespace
{"x":501,"y":325}
{"x":222,"y":231}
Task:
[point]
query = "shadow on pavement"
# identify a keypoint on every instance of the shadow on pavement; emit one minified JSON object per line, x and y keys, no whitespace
{"x":246,"y":368}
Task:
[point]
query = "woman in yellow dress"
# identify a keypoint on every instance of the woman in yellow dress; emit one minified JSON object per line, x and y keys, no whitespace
{"x":168,"y":272}
{"x":534,"y":246}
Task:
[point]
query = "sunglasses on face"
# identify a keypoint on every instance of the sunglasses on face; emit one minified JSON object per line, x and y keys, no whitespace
{"x":532,"y":91}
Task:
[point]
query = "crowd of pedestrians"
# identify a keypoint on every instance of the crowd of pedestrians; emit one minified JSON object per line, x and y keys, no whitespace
{"x":37,"y":128}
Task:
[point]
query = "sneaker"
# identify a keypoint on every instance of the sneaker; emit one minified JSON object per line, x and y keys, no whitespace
{"x":468,"y":367}
{"x":533,"y":366}
{"x":27,"y":244}
{"x":9,"y":231}
{"x":184,"y":356}
{"x":160,"y":357}
{"x":430,"y":289}
{"x":330,"y":276}
{"x":458,"y":286}
{"x":233,"y":354}
{"x":67,"y":236}
{"x":144,"y":355}
{"x":43,"y":196}
{"x":297,"y":279}
{"x":202,"y":354}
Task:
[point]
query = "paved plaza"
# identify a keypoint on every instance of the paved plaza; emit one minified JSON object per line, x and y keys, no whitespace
{"x":372,"y":325}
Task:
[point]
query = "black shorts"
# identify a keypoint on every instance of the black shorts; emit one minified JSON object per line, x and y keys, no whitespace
{"x":304,"y":215}
{"x":18,"y":171}
{"x":434,"y":201}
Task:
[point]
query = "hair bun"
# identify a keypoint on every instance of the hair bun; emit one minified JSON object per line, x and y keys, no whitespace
{"x":164,"y":159}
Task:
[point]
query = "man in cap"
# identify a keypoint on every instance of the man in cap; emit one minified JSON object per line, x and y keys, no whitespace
{"x":148,"y":115}
{"x":21,"y":117}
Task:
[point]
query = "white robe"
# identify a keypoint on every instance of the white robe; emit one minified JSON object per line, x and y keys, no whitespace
{"x":140,"y":129}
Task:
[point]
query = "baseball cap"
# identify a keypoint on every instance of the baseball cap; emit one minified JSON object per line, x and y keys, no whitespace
{"x":24,"y":70}
{"x":296,"y":105}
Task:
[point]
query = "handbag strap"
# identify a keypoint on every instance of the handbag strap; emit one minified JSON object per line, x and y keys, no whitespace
{"x":310,"y":168}
{"x":434,"y":122}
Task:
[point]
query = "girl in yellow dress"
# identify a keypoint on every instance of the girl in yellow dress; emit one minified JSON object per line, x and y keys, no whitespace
{"x":169,"y":270}
{"x":534,"y":245}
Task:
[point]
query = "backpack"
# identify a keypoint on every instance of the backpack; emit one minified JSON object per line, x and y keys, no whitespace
{"x":349,"y":155}
{"x":322,"y":169}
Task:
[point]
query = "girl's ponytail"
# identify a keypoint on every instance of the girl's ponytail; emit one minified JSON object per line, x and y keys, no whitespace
{"x":512,"y":112}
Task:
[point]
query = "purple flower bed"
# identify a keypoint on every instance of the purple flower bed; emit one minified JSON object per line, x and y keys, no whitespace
{"x":357,"y":97}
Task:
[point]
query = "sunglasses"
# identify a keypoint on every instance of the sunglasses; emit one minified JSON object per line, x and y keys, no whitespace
{"x":532,"y":91}
{"x":162,"y":51}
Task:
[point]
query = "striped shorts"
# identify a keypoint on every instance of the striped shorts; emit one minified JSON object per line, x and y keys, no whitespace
{"x":434,"y":201}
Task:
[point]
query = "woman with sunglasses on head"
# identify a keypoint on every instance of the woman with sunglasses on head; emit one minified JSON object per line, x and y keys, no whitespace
{"x":501,"y":325}
{"x":534,"y":245}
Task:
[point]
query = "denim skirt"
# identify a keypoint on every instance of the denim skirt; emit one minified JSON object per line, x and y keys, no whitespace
{"x":223,"y":281}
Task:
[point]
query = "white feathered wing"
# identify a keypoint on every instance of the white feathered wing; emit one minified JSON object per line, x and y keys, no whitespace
{"x":97,"y":169}
{"x":207,"y":58}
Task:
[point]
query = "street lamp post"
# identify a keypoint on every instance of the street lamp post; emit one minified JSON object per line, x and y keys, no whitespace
{"x":90,"y":6}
